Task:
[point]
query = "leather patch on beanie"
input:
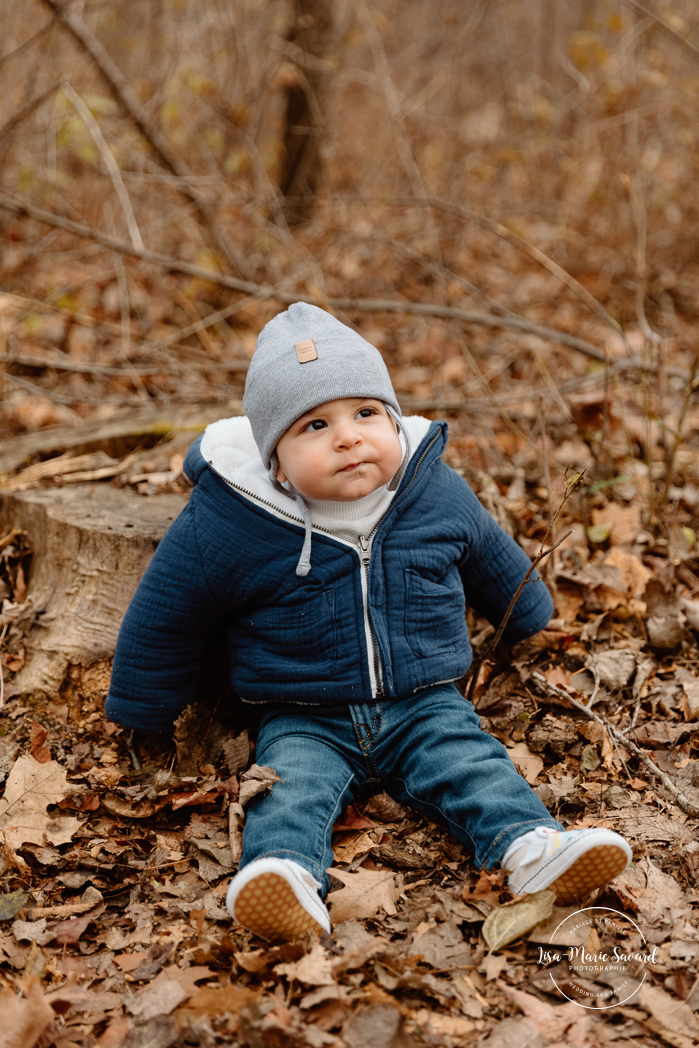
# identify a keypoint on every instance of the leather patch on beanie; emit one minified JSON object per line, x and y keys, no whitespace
{"x":306,"y":350}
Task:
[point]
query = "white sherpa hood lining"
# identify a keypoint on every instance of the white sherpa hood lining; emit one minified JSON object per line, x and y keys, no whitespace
{"x":228,"y":446}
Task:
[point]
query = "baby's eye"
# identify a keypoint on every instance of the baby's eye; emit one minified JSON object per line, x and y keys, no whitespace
{"x":366,"y":412}
{"x":316,"y":424}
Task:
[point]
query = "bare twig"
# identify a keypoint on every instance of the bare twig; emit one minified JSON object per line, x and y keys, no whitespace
{"x":664,"y":28}
{"x":26,"y":110}
{"x":32,"y":39}
{"x":506,"y":617}
{"x":58,"y":398}
{"x":543,"y":552}
{"x":2,"y":672}
{"x":109,"y":162}
{"x":494,"y":400}
{"x":403,"y":146}
{"x":670,"y":462}
{"x":684,"y":803}
{"x":433,"y":267}
{"x":120,"y":87}
{"x":131,"y":748}
{"x":125,"y":94}
{"x":616,"y":747}
{"x":368,"y":305}
{"x":506,"y":234}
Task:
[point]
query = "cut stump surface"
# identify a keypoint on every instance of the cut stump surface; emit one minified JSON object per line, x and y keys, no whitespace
{"x":91,"y":545}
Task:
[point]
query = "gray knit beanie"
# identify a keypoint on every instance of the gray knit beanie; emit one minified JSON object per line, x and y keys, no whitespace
{"x":305,"y":357}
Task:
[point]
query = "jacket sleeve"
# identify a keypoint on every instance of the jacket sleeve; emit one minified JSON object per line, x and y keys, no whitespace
{"x":164,"y":635}
{"x":492,"y":569}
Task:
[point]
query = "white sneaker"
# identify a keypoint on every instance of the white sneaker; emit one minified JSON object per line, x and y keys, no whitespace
{"x":572,"y":862}
{"x":277,"y":899}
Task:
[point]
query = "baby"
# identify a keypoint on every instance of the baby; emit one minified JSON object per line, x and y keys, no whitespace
{"x":338,"y":552}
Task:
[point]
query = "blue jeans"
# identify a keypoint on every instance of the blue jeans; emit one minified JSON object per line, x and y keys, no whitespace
{"x":428,"y":751}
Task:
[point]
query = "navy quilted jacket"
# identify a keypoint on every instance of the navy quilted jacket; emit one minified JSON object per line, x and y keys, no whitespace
{"x":228,"y":561}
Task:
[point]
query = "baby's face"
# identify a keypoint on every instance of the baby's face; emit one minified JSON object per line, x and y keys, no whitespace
{"x":341,"y":450}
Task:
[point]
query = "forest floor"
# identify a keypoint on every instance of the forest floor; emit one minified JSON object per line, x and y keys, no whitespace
{"x":113,"y":914}
{"x":113,"y":929}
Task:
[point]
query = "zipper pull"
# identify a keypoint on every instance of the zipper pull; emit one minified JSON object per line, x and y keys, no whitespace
{"x":365,"y":555}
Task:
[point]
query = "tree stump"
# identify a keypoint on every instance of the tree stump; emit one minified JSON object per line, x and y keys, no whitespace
{"x":91,"y":545}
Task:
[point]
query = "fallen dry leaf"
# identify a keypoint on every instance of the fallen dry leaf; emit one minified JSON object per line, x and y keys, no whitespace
{"x":211,"y":1001}
{"x":624,"y":522}
{"x":444,"y":1025}
{"x":376,"y":1026}
{"x":633,"y":573}
{"x":237,"y":753}
{"x":364,"y":894}
{"x":442,"y":947}
{"x":351,"y":846}
{"x":161,"y":999}
{"x":314,"y":969}
{"x":256,"y":780}
{"x":351,"y":819}
{"x":11,"y":903}
{"x":37,"y":738}
{"x":551,"y":1020}
{"x":514,"y":919}
{"x":655,"y":895}
{"x":24,"y":1019}
{"x":675,"y":1015}
{"x":31,"y":787}
{"x":528,"y":764}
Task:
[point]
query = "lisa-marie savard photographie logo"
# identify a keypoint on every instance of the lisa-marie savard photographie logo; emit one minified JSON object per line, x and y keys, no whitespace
{"x":606,"y":954}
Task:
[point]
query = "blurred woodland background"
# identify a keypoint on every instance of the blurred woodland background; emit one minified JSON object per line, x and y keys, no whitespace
{"x":532,"y":162}
{"x":502,"y":198}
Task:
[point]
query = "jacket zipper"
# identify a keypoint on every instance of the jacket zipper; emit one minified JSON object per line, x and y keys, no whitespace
{"x":364,"y":545}
{"x":372,"y":643}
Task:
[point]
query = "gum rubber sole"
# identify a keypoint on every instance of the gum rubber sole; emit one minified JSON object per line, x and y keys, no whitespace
{"x":268,"y":906}
{"x":596,"y":867}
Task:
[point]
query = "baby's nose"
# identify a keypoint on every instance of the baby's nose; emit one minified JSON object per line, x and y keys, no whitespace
{"x":348,"y":434}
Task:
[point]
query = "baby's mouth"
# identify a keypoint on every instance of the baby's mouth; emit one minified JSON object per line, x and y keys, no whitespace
{"x":352,"y":466}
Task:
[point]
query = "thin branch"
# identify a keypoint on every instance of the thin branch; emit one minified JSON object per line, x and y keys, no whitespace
{"x":109,"y":162}
{"x":543,"y":552}
{"x":375,"y":42}
{"x":67,"y":364}
{"x":684,"y":803}
{"x":26,"y":110}
{"x":120,"y":87}
{"x":58,"y":398}
{"x":125,"y":94}
{"x":506,"y":617}
{"x":664,"y":28}
{"x":670,"y":464}
{"x":433,"y":267}
{"x":368,"y":305}
{"x":32,"y":39}
{"x":506,"y":234}
{"x":494,"y":400}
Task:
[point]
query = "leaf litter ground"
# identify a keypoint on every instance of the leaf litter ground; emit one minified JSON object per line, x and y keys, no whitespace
{"x":113,"y":928}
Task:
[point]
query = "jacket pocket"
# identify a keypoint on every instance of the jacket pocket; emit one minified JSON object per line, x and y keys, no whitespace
{"x":435,"y":614}
{"x":295,"y":643}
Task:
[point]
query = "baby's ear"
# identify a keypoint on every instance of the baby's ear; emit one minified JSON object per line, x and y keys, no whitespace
{"x":281,"y":475}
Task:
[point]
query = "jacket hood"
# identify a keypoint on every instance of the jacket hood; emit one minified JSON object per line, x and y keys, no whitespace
{"x":229,"y":447}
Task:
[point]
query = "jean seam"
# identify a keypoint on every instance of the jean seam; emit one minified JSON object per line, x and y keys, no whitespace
{"x":334,"y":813}
{"x":378,"y":715}
{"x":366,"y":743}
{"x":450,"y":822}
{"x":435,"y":807}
